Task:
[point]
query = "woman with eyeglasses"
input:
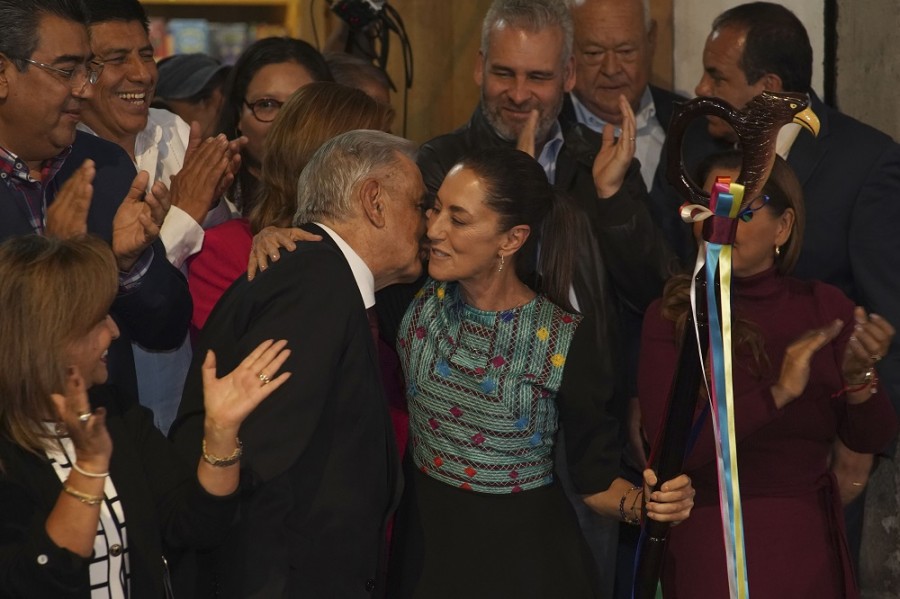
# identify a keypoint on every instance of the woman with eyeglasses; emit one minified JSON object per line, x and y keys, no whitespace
{"x":804,"y":374}
{"x":262,"y":79}
{"x":92,"y":496}
{"x":311,"y":116}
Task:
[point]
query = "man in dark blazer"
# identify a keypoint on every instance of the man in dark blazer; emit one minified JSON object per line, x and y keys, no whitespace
{"x":41,"y":92}
{"x":850,"y":175}
{"x":319,"y":457}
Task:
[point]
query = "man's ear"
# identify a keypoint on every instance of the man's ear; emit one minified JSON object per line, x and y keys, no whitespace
{"x":569,"y":74}
{"x":772,"y":83}
{"x":479,"y":69}
{"x":515,"y":239}
{"x":5,"y":66}
{"x":651,"y":38}
{"x":372,"y":196}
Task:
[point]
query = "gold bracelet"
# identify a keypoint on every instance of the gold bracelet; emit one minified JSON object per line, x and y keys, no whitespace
{"x":84,"y":472}
{"x":219,"y":462}
{"x":83,"y":497}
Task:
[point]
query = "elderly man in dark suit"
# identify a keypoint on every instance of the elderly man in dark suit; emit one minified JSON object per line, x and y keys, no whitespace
{"x":46,"y":74}
{"x":319,"y":455}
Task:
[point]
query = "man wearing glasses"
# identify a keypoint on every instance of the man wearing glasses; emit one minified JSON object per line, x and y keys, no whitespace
{"x":48,"y":170}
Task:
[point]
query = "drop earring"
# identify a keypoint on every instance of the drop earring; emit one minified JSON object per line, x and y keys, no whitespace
{"x":777,"y":250}
{"x":502,"y":260}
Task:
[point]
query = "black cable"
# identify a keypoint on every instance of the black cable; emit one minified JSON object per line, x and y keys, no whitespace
{"x":375,"y":44}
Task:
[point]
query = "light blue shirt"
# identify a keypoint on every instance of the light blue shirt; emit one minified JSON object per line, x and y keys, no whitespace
{"x":550,"y":152}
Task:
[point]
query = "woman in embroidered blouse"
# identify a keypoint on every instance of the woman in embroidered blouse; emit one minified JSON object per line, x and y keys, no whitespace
{"x":491,"y":367}
{"x":76,"y":471}
{"x":804,"y":374}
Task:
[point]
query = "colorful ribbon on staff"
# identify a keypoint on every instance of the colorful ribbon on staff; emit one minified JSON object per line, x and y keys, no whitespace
{"x":720,"y":224}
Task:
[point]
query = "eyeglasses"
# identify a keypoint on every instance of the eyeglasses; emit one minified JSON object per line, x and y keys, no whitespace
{"x":77,"y":77}
{"x":265,"y":109}
{"x":746,"y":214}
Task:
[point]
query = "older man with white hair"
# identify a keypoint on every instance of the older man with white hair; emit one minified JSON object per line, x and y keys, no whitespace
{"x":320,"y":453}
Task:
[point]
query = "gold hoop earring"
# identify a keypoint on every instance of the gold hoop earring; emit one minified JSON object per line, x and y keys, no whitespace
{"x":502,"y":260}
{"x":777,"y":250}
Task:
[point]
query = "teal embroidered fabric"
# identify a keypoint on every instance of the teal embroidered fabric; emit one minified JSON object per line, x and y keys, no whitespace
{"x":481,"y":388}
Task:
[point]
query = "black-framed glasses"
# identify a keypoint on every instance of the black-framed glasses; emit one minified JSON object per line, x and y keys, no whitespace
{"x":77,"y":77}
{"x":265,"y":109}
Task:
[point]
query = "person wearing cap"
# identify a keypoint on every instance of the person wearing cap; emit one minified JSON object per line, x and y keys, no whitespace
{"x":190,"y":85}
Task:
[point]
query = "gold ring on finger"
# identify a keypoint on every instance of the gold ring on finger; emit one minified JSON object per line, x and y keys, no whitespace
{"x":264,"y":378}
{"x":875,"y":357}
{"x":84,"y":417}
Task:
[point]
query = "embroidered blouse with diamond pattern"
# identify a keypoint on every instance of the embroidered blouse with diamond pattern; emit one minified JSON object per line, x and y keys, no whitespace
{"x":481,"y":388}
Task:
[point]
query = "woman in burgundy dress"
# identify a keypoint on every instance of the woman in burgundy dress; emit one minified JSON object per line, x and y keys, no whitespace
{"x":804,"y":374}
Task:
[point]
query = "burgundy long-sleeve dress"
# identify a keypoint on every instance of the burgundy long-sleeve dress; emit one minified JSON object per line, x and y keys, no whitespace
{"x":795,"y":541}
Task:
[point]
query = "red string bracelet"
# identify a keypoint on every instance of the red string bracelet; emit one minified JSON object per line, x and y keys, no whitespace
{"x":870,"y":379}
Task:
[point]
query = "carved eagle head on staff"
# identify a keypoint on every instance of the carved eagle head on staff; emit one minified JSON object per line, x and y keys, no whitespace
{"x":756,"y":126}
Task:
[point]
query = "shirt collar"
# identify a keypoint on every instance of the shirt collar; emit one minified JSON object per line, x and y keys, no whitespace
{"x":365,"y":281}
{"x":643,"y":117}
{"x":12,"y":166}
{"x":550,"y":151}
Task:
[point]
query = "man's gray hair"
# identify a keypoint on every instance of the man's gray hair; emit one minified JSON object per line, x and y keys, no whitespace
{"x":645,"y":7}
{"x":326,"y":185}
{"x":530,"y":15}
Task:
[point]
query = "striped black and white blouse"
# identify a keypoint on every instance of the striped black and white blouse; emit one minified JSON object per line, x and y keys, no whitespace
{"x":109,"y":569}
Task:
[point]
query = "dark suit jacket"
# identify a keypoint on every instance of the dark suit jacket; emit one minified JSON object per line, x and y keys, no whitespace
{"x":165,"y":509}
{"x":851,"y":185}
{"x":663,"y":200}
{"x":318,"y":454}
{"x":155,"y":313}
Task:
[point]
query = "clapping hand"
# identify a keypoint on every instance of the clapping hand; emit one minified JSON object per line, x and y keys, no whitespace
{"x":795,"y":366}
{"x":67,"y":215}
{"x":198,"y":184}
{"x":138,"y":219}
{"x":527,"y":134}
{"x":614,"y":158}
{"x":869,"y":343}
{"x":871,"y":340}
{"x":87,"y":429}
{"x":230,"y":399}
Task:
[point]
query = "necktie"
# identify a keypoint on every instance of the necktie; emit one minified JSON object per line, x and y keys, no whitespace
{"x":373,"y":325}
{"x":392,"y":380}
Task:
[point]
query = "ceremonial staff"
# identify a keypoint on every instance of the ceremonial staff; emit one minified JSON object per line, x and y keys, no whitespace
{"x":757,"y":128}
